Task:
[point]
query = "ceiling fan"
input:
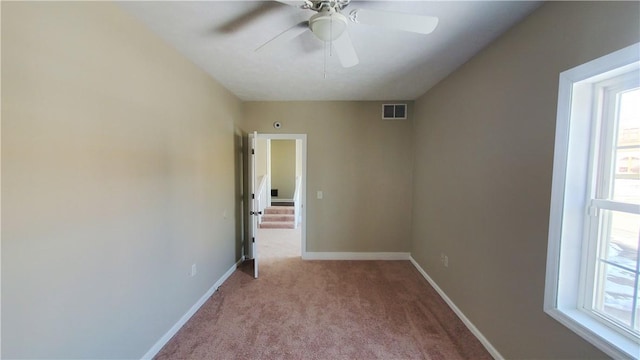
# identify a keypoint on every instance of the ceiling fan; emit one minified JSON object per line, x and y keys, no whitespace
{"x":330,"y":25}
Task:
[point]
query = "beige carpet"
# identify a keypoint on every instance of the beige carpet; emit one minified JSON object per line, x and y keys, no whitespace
{"x":323,"y":310}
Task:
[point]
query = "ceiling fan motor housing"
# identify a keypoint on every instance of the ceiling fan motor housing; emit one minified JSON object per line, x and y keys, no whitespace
{"x":328,"y":24}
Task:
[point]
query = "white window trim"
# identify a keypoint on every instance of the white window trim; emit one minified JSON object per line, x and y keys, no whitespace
{"x":566,"y":222}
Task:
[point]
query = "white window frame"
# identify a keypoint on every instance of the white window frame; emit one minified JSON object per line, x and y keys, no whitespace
{"x":603,"y":161}
{"x":570,"y":197}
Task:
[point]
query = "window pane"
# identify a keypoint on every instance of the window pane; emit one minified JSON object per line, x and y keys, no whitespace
{"x":627,"y":158}
{"x":637,"y":323}
{"x":620,"y":236}
{"x":615,"y":288}
{"x":618,"y":267}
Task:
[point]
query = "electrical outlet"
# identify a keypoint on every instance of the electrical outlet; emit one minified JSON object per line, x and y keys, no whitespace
{"x":444,"y":259}
{"x":194,"y":270}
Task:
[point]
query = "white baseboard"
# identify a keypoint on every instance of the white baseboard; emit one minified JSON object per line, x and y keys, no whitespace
{"x":356,"y":256}
{"x":474,"y":330}
{"x":183,"y":320}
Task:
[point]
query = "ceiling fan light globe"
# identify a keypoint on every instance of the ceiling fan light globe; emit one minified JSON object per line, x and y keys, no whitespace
{"x":328,"y":26}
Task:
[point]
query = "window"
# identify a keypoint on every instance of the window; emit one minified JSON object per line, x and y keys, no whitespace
{"x":593,"y":272}
{"x":613,"y":227}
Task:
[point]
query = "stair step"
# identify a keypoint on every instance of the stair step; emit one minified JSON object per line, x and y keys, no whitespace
{"x":279,"y":210}
{"x":281,"y":203}
{"x":278,"y":217}
{"x":277,"y":225}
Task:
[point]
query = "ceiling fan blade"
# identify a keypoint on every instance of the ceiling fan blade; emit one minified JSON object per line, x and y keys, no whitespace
{"x":243,"y":20}
{"x":400,"y":21}
{"x":344,"y":48}
{"x":285,"y":36}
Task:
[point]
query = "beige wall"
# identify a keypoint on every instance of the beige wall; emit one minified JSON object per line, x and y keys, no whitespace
{"x":484,"y":142}
{"x":283,"y":167}
{"x":360,"y":162}
{"x":117,"y":169}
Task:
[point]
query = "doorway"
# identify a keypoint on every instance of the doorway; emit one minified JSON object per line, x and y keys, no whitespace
{"x":277,"y":194}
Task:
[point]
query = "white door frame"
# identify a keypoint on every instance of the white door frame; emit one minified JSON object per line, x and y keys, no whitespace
{"x":303,"y":184}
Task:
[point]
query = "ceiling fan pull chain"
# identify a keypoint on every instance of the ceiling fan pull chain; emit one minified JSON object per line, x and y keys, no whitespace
{"x":331,"y":36}
{"x":324,"y":57}
{"x":324,"y":65}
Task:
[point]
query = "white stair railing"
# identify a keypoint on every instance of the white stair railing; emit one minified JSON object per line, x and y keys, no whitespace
{"x":262,"y":198}
{"x":296,"y":202}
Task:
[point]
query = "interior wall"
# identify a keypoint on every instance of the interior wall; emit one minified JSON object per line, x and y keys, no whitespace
{"x":283,"y":167}
{"x":117,"y":176}
{"x":484,"y":141}
{"x":361,"y":163}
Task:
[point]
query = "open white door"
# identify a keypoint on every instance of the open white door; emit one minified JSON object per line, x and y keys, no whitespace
{"x":254,"y":210}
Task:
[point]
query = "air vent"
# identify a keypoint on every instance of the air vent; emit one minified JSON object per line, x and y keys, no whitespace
{"x":394,"y":111}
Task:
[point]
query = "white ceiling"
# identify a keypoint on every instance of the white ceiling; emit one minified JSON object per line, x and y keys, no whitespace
{"x":221,"y":36}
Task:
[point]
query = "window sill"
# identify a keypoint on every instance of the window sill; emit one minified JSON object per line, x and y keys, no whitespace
{"x":601,"y":336}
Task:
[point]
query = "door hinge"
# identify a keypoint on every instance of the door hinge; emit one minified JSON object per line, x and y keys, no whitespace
{"x":253,"y":152}
{"x":253,"y":196}
{"x":253,"y":239}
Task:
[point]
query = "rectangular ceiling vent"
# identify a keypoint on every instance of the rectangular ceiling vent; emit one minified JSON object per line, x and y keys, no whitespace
{"x":394,"y":111}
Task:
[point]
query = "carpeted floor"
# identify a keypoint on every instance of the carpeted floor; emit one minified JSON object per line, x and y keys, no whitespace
{"x":323,"y":310}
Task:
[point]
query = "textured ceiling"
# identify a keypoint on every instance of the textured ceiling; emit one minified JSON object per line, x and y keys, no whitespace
{"x":221,"y":37}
